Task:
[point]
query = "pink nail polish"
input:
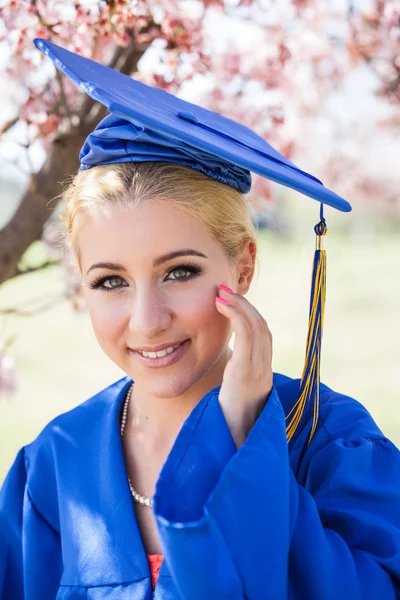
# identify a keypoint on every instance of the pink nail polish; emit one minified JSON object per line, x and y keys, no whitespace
{"x":221,"y":300}
{"x":223,"y":287}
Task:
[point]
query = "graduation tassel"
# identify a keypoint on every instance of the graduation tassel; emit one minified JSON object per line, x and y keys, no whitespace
{"x":310,"y":379}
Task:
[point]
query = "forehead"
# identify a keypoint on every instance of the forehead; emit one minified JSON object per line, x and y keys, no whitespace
{"x":151,"y":229}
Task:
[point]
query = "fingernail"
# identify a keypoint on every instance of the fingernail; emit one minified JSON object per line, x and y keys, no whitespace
{"x":221,"y":300}
{"x":223,"y":287}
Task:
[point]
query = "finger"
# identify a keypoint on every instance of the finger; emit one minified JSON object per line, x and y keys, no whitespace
{"x":250,"y":312}
{"x":261,"y":350}
{"x":258,"y":351}
{"x":256,"y":368}
{"x":242,"y":350}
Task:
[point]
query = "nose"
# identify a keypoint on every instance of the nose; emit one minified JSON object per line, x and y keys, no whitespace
{"x":150,"y":314}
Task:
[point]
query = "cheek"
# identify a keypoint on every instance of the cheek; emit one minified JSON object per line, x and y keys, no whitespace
{"x":200,"y":313}
{"x":106,"y":317}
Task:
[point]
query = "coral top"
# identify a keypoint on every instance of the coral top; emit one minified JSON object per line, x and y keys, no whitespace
{"x":155,"y":561}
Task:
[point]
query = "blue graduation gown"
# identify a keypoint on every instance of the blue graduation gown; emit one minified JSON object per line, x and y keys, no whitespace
{"x":269,"y":521}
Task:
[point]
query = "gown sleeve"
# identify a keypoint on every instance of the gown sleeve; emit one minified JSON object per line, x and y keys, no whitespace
{"x":239,"y":524}
{"x":30,"y":556}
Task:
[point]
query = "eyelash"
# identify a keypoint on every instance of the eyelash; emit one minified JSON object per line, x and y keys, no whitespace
{"x":191,"y":268}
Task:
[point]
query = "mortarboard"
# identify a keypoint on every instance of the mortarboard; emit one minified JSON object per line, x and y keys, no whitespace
{"x":148,"y":124}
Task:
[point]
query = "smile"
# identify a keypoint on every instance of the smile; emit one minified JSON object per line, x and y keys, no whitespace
{"x":162,"y":358}
{"x":160,"y":353}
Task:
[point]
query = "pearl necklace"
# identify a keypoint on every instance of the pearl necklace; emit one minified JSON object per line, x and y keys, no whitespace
{"x":137,"y":497}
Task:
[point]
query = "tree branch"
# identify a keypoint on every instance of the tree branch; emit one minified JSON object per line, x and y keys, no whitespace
{"x":9,"y":125}
{"x":370,"y":60}
{"x":27,"y":224}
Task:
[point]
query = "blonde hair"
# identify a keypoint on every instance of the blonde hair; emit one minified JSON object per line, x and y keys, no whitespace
{"x":222,"y":209}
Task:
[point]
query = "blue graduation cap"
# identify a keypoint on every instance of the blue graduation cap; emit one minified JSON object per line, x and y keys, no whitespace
{"x":151,"y":124}
{"x":148,"y":124}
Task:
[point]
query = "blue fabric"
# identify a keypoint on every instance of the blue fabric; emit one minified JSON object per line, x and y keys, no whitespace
{"x":266,"y":522}
{"x":155,"y":125}
{"x":116,"y":140}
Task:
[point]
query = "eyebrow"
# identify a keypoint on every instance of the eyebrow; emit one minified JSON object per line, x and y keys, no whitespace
{"x":157,"y":262}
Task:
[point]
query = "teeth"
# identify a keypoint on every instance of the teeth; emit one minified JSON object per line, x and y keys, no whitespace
{"x":160,"y":353}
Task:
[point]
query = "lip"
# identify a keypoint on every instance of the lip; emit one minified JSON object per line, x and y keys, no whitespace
{"x":157,"y":348}
{"x":163,"y":361}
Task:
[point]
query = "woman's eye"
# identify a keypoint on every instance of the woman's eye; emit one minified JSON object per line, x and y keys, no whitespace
{"x":113,"y":281}
{"x":179,"y":273}
{"x":107,"y":283}
{"x":183,"y":273}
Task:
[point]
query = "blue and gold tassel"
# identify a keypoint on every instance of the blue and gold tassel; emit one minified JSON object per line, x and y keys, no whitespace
{"x":310,"y":379}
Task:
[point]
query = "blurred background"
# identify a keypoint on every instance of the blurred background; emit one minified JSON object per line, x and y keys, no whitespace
{"x":319,"y":80}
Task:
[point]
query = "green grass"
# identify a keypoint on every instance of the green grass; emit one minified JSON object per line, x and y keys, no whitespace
{"x":59,"y":363}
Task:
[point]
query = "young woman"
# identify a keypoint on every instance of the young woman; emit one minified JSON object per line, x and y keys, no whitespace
{"x":180,"y":480}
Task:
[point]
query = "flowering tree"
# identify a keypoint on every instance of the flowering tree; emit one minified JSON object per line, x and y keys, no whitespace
{"x":270,"y":66}
{"x":375,"y":38}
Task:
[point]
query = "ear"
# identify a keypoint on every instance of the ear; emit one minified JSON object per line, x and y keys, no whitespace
{"x":245,"y":266}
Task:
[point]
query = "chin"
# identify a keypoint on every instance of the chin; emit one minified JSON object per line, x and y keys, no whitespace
{"x":170,"y":387}
{"x":173,"y":382}
{"x":173,"y":385}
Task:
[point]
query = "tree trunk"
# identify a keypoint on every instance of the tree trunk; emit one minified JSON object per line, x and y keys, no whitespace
{"x":27,"y":223}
